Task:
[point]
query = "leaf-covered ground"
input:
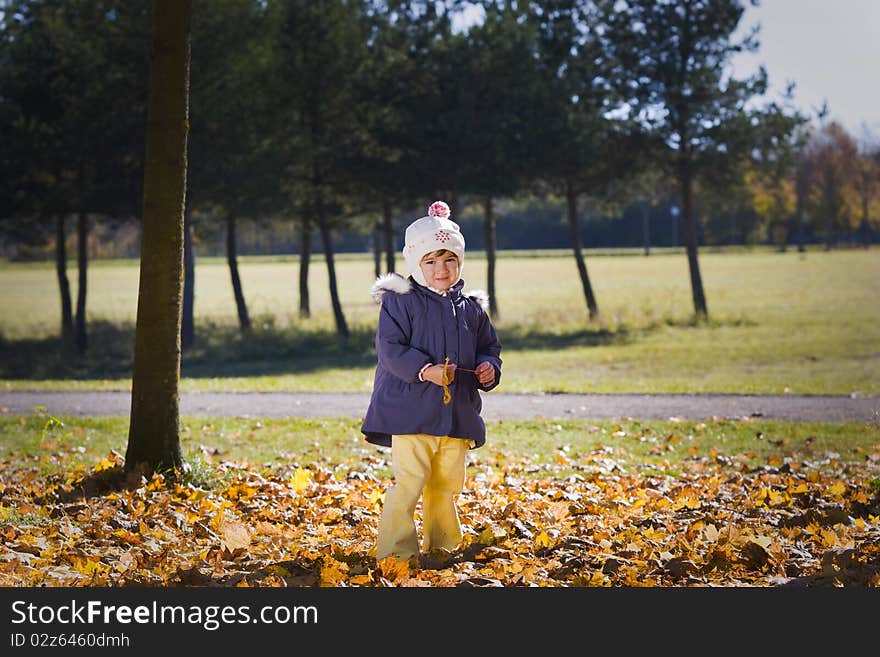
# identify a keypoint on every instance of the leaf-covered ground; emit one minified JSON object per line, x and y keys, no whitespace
{"x":589,"y":522}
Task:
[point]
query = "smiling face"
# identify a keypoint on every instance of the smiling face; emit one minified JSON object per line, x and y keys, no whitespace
{"x":440,"y":269}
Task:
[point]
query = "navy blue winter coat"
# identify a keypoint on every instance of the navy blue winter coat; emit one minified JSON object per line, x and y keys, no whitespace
{"x":417,"y":327}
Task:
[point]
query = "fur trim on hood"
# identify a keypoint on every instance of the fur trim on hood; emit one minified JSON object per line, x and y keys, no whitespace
{"x":480,"y":296}
{"x":390,"y":282}
{"x":393,"y":282}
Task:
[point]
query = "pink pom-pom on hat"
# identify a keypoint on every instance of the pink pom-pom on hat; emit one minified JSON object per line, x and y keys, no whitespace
{"x":439,"y":209}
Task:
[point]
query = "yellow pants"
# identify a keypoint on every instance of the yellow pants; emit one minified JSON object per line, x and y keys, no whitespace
{"x":430,"y":467}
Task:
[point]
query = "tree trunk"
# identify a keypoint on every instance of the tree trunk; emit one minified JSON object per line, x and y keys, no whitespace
{"x":799,"y":219}
{"x":154,"y":429}
{"x":831,"y":212}
{"x":244,"y":321}
{"x":690,"y":235}
{"x":865,"y":227}
{"x":575,"y":233}
{"x":377,"y":249}
{"x":67,"y":330}
{"x":327,"y":241}
{"x":188,"y":327}
{"x":82,"y":262}
{"x":646,"y":228}
{"x":489,"y":238}
{"x":305,"y":257}
{"x":388,"y":233}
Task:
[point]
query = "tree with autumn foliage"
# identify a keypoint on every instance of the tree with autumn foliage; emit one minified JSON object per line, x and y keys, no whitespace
{"x":867,"y":184}
{"x":154,"y":430}
{"x":771,"y":172}
{"x":834,"y":153}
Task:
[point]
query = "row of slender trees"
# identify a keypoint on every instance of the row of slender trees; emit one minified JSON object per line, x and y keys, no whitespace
{"x":340,"y":111}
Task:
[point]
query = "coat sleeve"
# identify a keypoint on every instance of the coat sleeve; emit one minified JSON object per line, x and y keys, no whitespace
{"x":393,"y":336}
{"x":488,"y":349}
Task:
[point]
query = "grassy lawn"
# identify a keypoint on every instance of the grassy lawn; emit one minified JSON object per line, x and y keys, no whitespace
{"x":550,"y":446}
{"x":779,"y":322}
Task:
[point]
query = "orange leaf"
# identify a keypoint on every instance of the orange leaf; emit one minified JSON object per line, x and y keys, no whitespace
{"x":233,"y":535}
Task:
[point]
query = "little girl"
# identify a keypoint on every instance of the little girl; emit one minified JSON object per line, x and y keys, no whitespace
{"x":437,"y":349}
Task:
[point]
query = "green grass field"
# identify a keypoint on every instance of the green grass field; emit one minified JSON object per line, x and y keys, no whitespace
{"x":779,"y":322}
{"x":551,"y":446}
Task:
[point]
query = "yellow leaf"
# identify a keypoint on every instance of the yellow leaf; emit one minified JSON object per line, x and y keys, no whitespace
{"x":376,"y":496}
{"x":277,"y":569}
{"x":89,"y":566}
{"x":331,"y":515}
{"x":590,"y":578}
{"x":104,"y":464}
{"x":759,"y":496}
{"x":778,"y":498}
{"x":333,"y":572}
{"x":543,"y":540}
{"x":491,"y":535}
{"x":156,"y":483}
{"x":764,"y":541}
{"x":829,"y":538}
{"x":300,"y":480}
{"x":127,"y":536}
{"x":837,"y":489}
{"x":240,"y":491}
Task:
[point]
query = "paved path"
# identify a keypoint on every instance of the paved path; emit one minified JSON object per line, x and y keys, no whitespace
{"x":817,"y":408}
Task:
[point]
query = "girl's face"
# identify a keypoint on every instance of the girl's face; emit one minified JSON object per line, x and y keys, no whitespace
{"x":440,"y":269}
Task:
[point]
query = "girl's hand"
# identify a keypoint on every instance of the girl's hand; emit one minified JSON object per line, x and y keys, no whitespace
{"x":434,"y":374}
{"x":485,"y":373}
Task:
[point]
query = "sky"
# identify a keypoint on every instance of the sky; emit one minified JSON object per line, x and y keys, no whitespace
{"x":829,"y":48}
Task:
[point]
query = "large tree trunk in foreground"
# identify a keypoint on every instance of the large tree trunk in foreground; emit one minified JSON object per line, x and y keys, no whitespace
{"x":154,"y":430}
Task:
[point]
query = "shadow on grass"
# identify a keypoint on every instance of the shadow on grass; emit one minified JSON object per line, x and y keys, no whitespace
{"x":219,"y":351}
{"x":224,"y":351}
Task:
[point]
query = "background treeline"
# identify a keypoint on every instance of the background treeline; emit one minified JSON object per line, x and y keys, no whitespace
{"x":528,"y":223}
{"x":324,"y":126}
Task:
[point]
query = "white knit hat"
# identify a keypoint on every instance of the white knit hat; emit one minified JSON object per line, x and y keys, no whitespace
{"x":431,"y":233}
